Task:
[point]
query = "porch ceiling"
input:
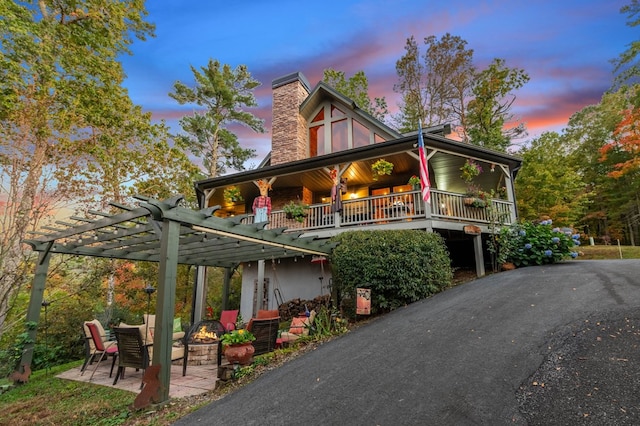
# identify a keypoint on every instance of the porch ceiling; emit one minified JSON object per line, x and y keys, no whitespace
{"x":205,"y":240}
{"x":444,"y":168}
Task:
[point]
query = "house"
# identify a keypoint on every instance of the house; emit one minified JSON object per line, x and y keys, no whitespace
{"x":322,"y":141}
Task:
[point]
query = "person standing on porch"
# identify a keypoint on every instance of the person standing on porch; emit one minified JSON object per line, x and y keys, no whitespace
{"x":262,"y":203}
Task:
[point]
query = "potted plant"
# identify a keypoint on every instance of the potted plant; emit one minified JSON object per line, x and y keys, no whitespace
{"x":470,"y":170}
{"x":296,"y":210}
{"x":381,"y":167}
{"x":237,"y":346}
{"x":470,"y":195}
{"x":414,"y":181}
{"x":232,"y":195}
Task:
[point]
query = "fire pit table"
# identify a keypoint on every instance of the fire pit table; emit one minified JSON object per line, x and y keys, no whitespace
{"x":202,"y":343}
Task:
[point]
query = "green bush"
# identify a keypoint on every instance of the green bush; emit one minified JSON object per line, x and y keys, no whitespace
{"x":399,"y":267}
{"x":530,"y":244}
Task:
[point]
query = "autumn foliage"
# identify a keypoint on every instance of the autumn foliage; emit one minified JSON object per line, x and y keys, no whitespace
{"x":626,"y":143}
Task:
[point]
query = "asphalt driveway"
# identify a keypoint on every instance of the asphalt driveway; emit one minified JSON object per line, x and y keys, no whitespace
{"x":458,"y":358}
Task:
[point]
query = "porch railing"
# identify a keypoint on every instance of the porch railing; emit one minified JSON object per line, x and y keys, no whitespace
{"x":392,"y":208}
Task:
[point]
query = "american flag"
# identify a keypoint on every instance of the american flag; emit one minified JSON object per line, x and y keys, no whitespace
{"x":424,"y":168}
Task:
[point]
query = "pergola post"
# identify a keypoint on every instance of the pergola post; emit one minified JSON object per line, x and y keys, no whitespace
{"x":35,"y":305}
{"x":165,"y":303}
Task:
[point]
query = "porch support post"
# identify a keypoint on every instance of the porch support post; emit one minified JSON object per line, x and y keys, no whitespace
{"x":199,"y":294}
{"x":228,"y":272}
{"x":259,"y":288}
{"x":35,"y":305}
{"x":477,"y":249}
{"x":508,"y":183}
{"x":165,"y":304}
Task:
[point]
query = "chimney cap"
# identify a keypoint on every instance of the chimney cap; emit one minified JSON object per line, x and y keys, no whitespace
{"x":290,"y":78}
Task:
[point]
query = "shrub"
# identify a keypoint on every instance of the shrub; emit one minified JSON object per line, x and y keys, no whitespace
{"x":529,"y":244}
{"x":399,"y":267}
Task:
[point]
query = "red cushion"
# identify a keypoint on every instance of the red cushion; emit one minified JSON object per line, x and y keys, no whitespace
{"x":264,"y":314}
{"x":298,"y":325}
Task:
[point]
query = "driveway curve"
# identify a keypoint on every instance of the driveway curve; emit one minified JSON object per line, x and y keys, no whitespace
{"x":458,"y":358}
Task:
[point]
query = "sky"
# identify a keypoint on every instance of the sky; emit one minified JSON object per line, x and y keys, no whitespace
{"x":565,"y":46}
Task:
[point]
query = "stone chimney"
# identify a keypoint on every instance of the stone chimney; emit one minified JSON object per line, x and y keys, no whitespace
{"x":288,"y":129}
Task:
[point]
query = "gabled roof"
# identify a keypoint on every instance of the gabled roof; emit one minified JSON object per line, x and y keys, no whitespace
{"x":136,"y":234}
{"x":323,"y":91}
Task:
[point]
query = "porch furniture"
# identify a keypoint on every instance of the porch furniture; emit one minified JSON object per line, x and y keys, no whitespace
{"x":265,"y":331}
{"x":109,"y":350}
{"x":89,"y":346}
{"x":299,"y":327}
{"x":150,"y":321}
{"x":145,"y":332}
{"x":228,"y":319}
{"x":132,"y":351}
{"x":203,"y":332}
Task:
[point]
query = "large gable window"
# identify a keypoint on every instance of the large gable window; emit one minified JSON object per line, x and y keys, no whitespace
{"x":346,"y":131}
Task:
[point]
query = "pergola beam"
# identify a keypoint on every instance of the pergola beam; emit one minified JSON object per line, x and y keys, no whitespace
{"x":163,"y":232}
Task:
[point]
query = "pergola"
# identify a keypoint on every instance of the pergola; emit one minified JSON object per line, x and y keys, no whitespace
{"x":163,"y":232}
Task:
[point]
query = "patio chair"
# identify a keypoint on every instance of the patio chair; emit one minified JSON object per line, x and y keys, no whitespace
{"x":90,"y":348}
{"x":266,"y":333}
{"x":300,"y":326}
{"x":132,"y":351}
{"x":109,"y":350}
{"x":228,"y":319}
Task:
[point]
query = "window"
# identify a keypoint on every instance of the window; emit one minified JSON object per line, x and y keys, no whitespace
{"x":346,"y":131}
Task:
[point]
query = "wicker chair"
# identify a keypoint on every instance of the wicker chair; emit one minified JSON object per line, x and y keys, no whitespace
{"x":265,"y":332}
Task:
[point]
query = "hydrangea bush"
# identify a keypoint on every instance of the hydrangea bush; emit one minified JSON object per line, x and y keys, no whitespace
{"x":529,"y":244}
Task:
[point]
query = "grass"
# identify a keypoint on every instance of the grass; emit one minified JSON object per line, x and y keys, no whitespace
{"x":47,"y":400}
{"x":608,"y":252}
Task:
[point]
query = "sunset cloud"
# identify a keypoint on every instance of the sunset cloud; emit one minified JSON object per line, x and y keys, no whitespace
{"x":561,"y":45}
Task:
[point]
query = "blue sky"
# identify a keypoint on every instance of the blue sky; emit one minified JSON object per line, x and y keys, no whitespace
{"x":565,"y":47}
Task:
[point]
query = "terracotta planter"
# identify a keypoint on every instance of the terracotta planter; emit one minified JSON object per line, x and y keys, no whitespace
{"x":508,"y":266}
{"x":468,"y":201}
{"x":241,"y":353}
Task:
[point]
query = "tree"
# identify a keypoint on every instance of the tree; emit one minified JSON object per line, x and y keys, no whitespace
{"x":356,"y":88}
{"x":613,"y":199}
{"x":224,"y":93}
{"x":57,"y":59}
{"x":626,"y":144}
{"x":488,"y":113}
{"x":444,"y":86}
{"x":434,"y":87}
{"x":547,"y":184}
{"x":626,"y":65}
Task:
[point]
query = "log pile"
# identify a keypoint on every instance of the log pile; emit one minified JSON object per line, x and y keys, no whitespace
{"x":296,"y":307}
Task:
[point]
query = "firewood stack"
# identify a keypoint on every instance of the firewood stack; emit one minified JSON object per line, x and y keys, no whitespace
{"x":296,"y":307}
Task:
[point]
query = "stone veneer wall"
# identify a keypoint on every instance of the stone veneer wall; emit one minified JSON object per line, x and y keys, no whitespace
{"x":289,"y":128}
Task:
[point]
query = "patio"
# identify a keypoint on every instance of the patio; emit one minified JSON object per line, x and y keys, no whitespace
{"x":199,"y":379}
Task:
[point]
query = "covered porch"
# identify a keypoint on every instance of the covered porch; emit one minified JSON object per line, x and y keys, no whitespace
{"x":396,"y":207}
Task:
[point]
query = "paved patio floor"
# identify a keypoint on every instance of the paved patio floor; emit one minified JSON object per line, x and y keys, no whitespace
{"x":199,"y":378}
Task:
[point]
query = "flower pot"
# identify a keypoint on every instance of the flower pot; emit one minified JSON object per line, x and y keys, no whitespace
{"x":508,"y":266}
{"x":242,"y":353}
{"x":468,"y":201}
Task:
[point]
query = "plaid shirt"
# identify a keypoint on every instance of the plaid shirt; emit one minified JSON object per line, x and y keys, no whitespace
{"x":262,"y":201}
